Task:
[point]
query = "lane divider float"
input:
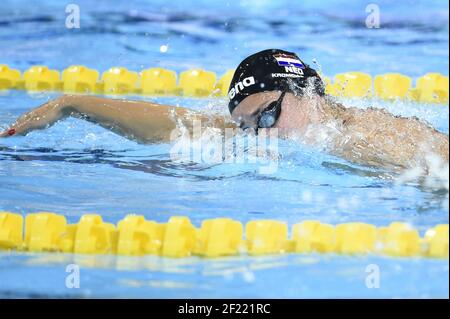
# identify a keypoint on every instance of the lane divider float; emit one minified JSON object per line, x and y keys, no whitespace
{"x":217,"y":237}
{"x":429,"y":88}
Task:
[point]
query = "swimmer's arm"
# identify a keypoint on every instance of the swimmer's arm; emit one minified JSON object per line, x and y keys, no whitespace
{"x":138,"y":120}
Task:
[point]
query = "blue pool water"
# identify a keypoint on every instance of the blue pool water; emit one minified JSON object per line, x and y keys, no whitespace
{"x":76,"y":167}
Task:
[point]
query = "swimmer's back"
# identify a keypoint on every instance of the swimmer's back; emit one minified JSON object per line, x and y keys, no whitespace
{"x":377,"y":137}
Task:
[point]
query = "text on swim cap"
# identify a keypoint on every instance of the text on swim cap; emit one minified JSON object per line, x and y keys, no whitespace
{"x":294,"y":69}
{"x":238,"y":87}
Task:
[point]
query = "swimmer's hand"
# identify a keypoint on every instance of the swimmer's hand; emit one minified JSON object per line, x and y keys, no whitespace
{"x":41,"y":117}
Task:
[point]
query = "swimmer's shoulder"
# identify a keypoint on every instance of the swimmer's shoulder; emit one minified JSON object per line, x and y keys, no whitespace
{"x":336,"y":111}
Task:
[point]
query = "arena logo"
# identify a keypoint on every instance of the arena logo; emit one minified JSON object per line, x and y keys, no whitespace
{"x":248,"y":81}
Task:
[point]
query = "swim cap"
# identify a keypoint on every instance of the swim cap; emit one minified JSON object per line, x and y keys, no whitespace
{"x":272,"y":70}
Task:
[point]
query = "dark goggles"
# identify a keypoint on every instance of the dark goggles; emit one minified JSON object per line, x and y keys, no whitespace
{"x":269,"y":116}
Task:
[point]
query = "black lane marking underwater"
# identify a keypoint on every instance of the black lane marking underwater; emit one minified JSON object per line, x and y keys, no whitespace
{"x":151,"y":164}
{"x":173,"y":24}
{"x":162,"y":165}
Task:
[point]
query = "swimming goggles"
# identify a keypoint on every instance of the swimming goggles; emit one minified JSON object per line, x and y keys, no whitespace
{"x":269,"y":116}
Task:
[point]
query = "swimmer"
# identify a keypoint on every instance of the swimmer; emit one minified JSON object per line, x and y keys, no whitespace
{"x":270,"y":89}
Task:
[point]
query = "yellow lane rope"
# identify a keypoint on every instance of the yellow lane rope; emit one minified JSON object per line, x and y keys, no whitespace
{"x":429,"y":88}
{"x":134,"y":235}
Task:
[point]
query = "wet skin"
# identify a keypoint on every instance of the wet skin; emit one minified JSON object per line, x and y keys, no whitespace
{"x":366,"y":136}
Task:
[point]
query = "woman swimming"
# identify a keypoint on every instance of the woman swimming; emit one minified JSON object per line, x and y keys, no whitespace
{"x":270,"y":89}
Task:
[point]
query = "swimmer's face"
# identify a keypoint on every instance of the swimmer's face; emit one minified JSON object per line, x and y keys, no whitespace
{"x":248,"y":112}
